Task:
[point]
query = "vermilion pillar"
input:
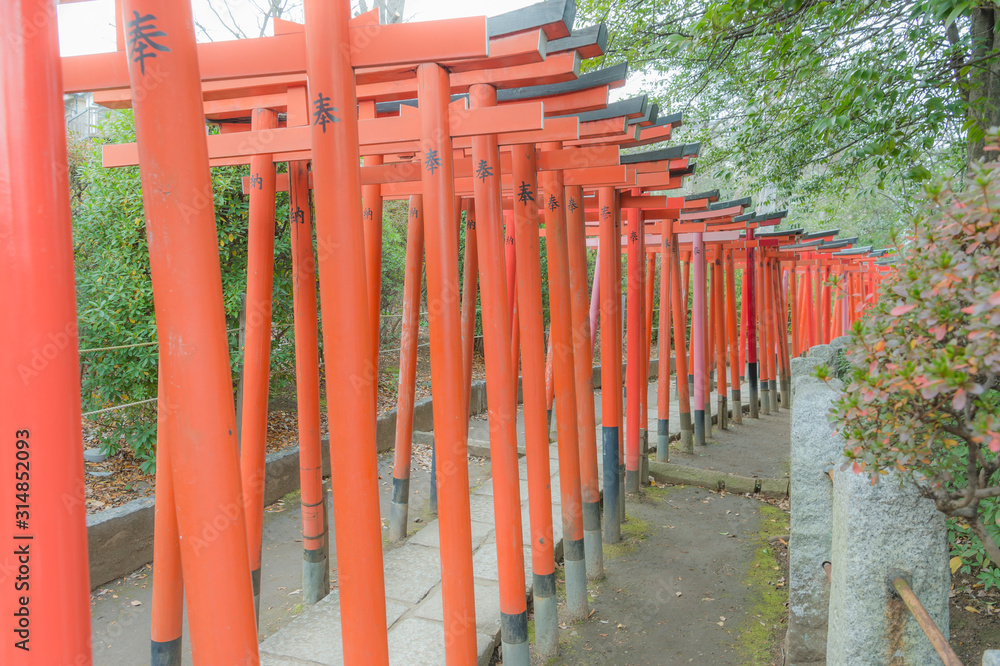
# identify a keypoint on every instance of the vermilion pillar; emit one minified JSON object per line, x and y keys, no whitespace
{"x":595,"y":296}
{"x":633,"y":349}
{"x":191,"y":328}
{"x":648,"y":285}
{"x":619,"y":342}
{"x":39,"y":363}
{"x":350,"y":369}
{"x":257,"y":352}
{"x":663,"y":338}
{"x":529,"y":296}
{"x":167,"y":612}
{"x":709,"y":330}
{"x":793,"y":298}
{"x":450,"y":414}
{"x":583,"y":352}
{"x":610,"y":416}
{"x":722,"y":406}
{"x":733,"y":338}
{"x":564,"y":381}
{"x":550,"y":385}
{"x":501,"y":391}
{"x":744,"y":300}
{"x":698,"y":339}
{"x":371,"y":214}
{"x":749,"y":279}
{"x":315,"y":532}
{"x":405,"y":393}
{"x":766,"y":349}
{"x":470,"y":291}
{"x":679,"y":324}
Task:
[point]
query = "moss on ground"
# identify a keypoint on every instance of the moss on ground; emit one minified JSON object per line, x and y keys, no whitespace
{"x":658,"y":493}
{"x":766,"y":599}
{"x":634,"y":530}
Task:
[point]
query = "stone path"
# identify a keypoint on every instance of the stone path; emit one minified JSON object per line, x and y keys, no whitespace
{"x":413,"y":593}
{"x":413,"y":577}
{"x":121,"y":629}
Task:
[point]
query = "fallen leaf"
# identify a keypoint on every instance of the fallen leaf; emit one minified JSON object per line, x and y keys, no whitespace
{"x":678,"y":594}
{"x":136,"y":602}
{"x":721,"y":624}
{"x":972,"y":610}
{"x":955,"y":563}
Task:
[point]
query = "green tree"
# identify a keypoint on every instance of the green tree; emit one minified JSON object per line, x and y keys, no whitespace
{"x":802,"y":97}
{"x":923,"y":397}
{"x":115,"y":294}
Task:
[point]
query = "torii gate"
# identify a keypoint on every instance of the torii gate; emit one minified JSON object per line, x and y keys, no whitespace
{"x":325,"y":109}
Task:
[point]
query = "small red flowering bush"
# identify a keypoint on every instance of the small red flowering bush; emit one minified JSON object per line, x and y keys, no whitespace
{"x":922,"y":389}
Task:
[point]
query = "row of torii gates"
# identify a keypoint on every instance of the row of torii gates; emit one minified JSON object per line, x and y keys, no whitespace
{"x":487,"y":117}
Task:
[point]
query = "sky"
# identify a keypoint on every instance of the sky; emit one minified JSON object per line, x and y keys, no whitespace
{"x":88,"y":27}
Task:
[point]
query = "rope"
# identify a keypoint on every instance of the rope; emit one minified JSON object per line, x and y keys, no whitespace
{"x":116,"y":407}
{"x":426,"y":344}
{"x":138,"y":344}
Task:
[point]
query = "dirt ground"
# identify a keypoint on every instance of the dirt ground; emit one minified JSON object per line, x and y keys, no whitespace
{"x":694,"y":581}
{"x":758,"y":448}
{"x":975,"y":618}
{"x":119,"y":479}
{"x":120,"y":620}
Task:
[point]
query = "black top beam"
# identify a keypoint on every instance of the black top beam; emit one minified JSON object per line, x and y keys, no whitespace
{"x":591,"y":41}
{"x":555,"y":17}
{"x":713,"y":195}
{"x":671,"y":153}
{"x":630,"y":108}
{"x":744,"y":202}
{"x":609,"y":76}
{"x":826,"y":233}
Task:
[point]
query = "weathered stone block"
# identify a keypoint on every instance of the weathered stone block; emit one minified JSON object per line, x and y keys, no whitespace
{"x":802,"y":370}
{"x":688,"y":476}
{"x":423,"y":415}
{"x":880,"y":532}
{"x":840,"y":342}
{"x":814,"y":449}
{"x":825,"y":352}
{"x":740,"y":485}
{"x":774,"y":488}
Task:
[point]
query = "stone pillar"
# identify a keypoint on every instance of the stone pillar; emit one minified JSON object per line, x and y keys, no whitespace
{"x":814,"y":451}
{"x":880,"y":532}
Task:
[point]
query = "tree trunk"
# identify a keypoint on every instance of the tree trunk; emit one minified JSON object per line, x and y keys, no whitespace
{"x":992,"y":550}
{"x":983,"y":81}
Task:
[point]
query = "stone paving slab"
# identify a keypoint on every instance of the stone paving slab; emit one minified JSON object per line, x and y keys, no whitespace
{"x":419,"y":642}
{"x":411,"y":572}
{"x":314,"y":637}
{"x":413,"y":592}
{"x":487,"y":606}
{"x":429,"y":536}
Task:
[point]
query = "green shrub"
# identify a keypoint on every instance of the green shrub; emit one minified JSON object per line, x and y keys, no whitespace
{"x":922,"y":398}
{"x":115,"y":294}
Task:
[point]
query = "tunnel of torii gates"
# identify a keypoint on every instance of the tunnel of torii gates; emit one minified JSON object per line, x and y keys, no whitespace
{"x":490,"y":118}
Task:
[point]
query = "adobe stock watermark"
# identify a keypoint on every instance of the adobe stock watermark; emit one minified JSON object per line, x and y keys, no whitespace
{"x":42,"y":356}
{"x":32,"y":26}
